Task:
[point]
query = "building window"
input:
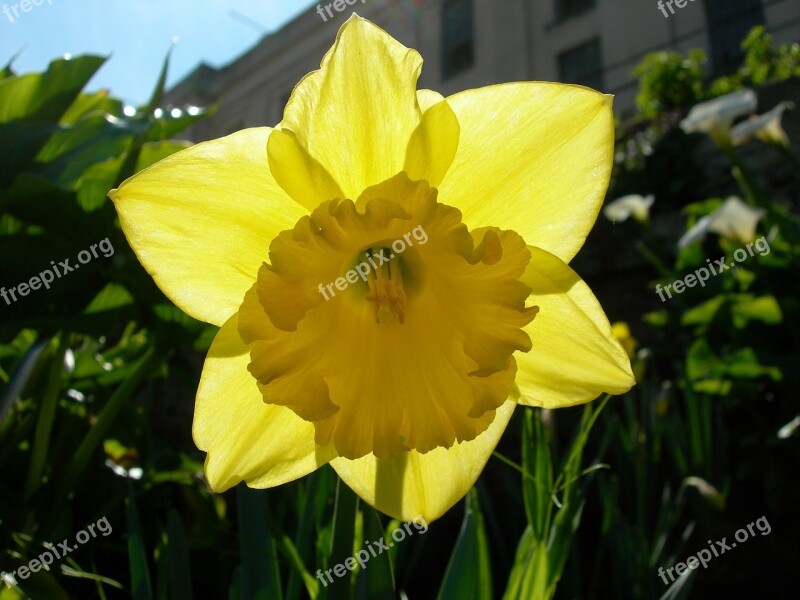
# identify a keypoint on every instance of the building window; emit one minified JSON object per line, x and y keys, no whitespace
{"x":566,"y":9}
{"x":728,"y":24}
{"x":458,"y":37}
{"x":583,"y":65}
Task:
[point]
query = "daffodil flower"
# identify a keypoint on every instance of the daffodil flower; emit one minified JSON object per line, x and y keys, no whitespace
{"x":733,"y":219}
{"x":404,"y":382}
{"x":715,"y":117}
{"x":766,"y":127}
{"x":622,"y":332}
{"x":631,"y":205}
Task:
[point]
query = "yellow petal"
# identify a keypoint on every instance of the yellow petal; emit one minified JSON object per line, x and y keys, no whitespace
{"x":200,"y":221}
{"x":575,"y":356}
{"x":428,"y":98}
{"x":433,"y":144}
{"x":303,"y":178}
{"x":533,"y":157}
{"x":411,"y":484}
{"x":247,"y":440}
{"x":356,"y":114}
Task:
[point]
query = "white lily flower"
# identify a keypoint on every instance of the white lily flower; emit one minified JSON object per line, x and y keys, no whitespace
{"x":734,"y":220}
{"x":716,"y":116}
{"x":631,"y":205}
{"x":789,"y":429}
{"x":766,"y":127}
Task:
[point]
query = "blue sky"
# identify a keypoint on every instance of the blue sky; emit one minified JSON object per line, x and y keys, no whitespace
{"x":137,"y":34}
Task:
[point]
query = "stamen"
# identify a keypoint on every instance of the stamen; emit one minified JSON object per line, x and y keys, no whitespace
{"x":386,"y":288}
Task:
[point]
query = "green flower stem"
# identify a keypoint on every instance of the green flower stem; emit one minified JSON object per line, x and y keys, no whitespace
{"x":344,"y":523}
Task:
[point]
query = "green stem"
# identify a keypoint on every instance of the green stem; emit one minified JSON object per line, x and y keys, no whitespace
{"x":344,"y":527}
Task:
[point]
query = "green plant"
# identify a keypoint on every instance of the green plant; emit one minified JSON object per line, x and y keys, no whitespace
{"x":669,"y":81}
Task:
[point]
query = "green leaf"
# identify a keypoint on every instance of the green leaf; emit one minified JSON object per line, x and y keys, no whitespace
{"x":764,"y":309}
{"x":45,"y":97}
{"x":469,"y":572}
{"x":128,"y":167}
{"x":537,"y":487}
{"x":529,"y":572}
{"x":656,"y":318}
{"x":303,"y":540}
{"x":342,"y":544}
{"x":38,"y":201}
{"x":74,"y":148}
{"x":100,"y":177}
{"x":141,"y":588}
{"x":166,"y":126}
{"x":180,"y":576}
{"x":260,"y":572}
{"x":704,"y":313}
{"x":47,"y":414}
{"x":93,"y":440}
{"x":376,"y":580}
{"x":86,"y":103}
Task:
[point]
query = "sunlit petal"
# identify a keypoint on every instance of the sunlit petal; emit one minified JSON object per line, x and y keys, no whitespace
{"x":200,"y":221}
{"x":575,"y":356}
{"x":413,"y":484}
{"x":534,"y":158}
{"x":246,"y":439}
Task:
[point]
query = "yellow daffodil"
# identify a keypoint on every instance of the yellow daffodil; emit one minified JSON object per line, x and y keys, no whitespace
{"x":403,"y":379}
{"x":622,"y":332}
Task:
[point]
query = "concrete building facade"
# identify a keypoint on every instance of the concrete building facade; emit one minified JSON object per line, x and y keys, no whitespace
{"x":473,"y":43}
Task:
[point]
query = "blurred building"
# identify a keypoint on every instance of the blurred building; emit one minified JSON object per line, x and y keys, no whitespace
{"x":472,"y":43}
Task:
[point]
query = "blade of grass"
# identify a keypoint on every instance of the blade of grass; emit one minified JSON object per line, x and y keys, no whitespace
{"x":344,"y":527}
{"x":377,"y":582}
{"x":178,"y":566}
{"x":303,"y":539}
{"x":536,"y":461}
{"x":141,"y":588}
{"x":469,"y":572}
{"x":260,"y":573}
{"x":47,"y":414}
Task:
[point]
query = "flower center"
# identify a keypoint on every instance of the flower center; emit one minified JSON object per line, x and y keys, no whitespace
{"x":386,"y":286}
{"x":335,"y":339}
